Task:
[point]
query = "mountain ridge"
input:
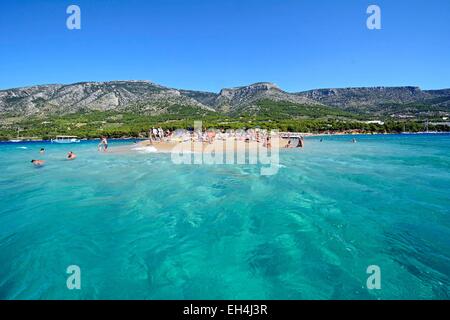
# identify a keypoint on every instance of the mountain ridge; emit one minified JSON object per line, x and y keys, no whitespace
{"x":147,"y":97}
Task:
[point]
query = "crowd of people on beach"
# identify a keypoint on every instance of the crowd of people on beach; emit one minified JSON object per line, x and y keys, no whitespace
{"x":158,"y":134}
{"x":211,"y":135}
{"x":300,"y":143}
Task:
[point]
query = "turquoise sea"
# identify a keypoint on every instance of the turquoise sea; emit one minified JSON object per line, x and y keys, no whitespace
{"x":141,"y":227}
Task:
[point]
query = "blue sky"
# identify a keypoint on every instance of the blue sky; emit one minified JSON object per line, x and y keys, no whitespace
{"x":212,"y":44}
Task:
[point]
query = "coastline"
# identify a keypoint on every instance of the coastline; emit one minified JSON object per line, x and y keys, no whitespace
{"x":293,"y":134}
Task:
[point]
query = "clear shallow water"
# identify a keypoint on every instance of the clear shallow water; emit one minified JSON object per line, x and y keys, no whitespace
{"x":141,"y":227}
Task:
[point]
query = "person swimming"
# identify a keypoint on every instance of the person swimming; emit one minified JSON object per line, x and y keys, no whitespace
{"x":71,"y":156}
{"x":38,"y":163}
{"x":353,"y":140}
{"x":42,"y":151}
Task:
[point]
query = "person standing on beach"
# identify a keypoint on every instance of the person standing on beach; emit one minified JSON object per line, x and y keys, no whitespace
{"x":152,"y":137}
{"x":288,"y":145}
{"x":160,"y":134}
{"x":103,"y":144}
{"x":155,"y":133}
{"x":211,"y":134}
{"x":100,"y":145}
{"x":268,"y":142}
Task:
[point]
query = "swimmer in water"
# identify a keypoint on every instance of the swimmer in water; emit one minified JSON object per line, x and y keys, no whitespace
{"x":71,"y":156}
{"x":353,"y":140}
{"x":38,"y":163}
{"x":42,"y":151}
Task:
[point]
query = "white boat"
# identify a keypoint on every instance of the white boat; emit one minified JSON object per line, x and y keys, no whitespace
{"x":66,"y":139}
{"x":18,"y":138}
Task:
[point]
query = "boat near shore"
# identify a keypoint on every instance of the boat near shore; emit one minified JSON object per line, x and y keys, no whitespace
{"x":18,"y":139}
{"x":65,"y":139}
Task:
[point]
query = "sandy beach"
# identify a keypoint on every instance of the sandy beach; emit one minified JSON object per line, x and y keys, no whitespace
{"x":224,"y":146}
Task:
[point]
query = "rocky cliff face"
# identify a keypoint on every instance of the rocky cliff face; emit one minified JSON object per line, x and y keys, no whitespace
{"x":379,"y":98}
{"x":232,"y":99}
{"x":149,"y":98}
{"x":90,"y":96}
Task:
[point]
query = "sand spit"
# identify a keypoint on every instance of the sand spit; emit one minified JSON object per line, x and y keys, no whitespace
{"x":225,"y":146}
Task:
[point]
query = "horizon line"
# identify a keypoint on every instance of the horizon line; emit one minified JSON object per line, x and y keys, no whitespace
{"x":217,"y":92}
